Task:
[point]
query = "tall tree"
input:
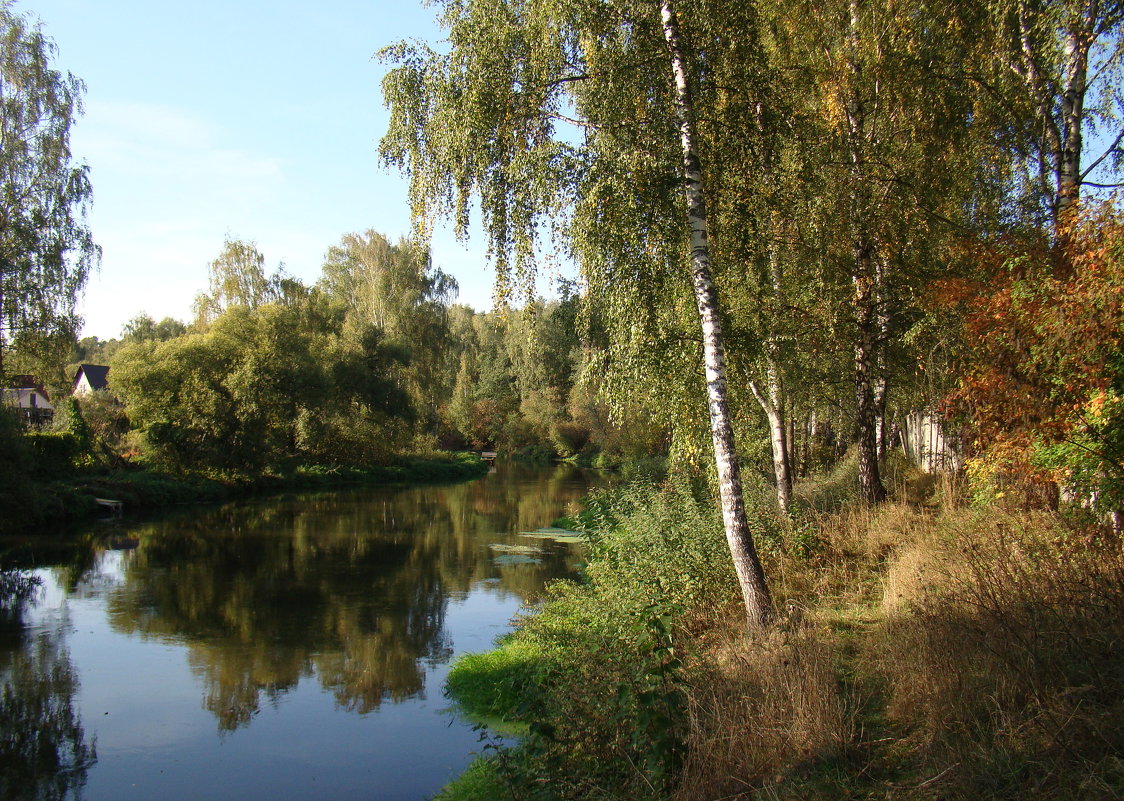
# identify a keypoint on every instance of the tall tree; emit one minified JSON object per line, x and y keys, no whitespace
{"x":46,"y":248}
{"x":237,"y":278}
{"x":396,"y":288}
{"x":1063,"y":59}
{"x":481,"y":120}
{"x":894,"y":176}
{"x":751,"y":578}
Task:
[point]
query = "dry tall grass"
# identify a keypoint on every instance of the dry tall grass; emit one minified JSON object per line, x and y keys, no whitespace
{"x":1002,"y":651}
{"x":929,"y":652}
{"x":759,"y":708}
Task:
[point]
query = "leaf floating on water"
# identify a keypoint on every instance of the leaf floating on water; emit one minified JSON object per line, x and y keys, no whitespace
{"x":507,"y":559}
{"x":556,"y":534}
{"x":528,"y":550}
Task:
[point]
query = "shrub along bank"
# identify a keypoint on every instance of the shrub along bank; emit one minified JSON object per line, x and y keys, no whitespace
{"x":925,"y":650}
{"x":47,"y":479}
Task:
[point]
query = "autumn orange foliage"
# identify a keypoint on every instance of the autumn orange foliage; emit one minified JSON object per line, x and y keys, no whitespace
{"x":1043,"y":378}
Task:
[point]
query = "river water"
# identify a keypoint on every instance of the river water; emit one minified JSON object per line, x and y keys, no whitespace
{"x":290,"y":648}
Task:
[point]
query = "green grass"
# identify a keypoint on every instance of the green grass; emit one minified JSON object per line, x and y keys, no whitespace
{"x":499,"y":685}
{"x":483,"y":780}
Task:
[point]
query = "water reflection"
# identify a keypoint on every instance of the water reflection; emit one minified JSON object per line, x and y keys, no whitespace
{"x":288,"y":617}
{"x":350,"y":589}
{"x":43,"y":749}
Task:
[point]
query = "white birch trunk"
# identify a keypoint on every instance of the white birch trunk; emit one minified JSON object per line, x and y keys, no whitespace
{"x":751,"y":577}
{"x":772,"y":402}
{"x":1076,"y":45}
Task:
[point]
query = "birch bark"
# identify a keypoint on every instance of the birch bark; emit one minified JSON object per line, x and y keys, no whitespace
{"x":751,"y":577}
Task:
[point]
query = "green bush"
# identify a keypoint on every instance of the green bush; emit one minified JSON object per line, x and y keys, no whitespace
{"x":569,"y":438}
{"x":16,"y":466}
{"x":54,"y":453}
{"x":536,"y":454}
{"x":595,"y":672}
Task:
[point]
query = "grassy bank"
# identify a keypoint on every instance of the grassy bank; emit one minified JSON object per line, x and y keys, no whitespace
{"x":46,"y":502}
{"x":925,"y":650}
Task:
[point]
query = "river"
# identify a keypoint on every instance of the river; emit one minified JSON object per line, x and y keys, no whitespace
{"x":288,"y":648}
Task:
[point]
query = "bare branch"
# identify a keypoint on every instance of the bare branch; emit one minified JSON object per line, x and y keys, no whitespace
{"x":1103,"y":156}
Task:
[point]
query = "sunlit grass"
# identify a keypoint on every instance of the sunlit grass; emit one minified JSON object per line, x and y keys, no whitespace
{"x":924,"y":650}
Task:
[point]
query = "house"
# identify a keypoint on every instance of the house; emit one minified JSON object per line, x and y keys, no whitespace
{"x":90,"y":378}
{"x":31,"y":399}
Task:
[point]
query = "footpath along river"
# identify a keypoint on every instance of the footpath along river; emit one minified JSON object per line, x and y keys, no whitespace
{"x":289,"y":648}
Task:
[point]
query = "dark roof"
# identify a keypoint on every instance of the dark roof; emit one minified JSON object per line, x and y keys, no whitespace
{"x":27,"y":382}
{"x":95,"y":374}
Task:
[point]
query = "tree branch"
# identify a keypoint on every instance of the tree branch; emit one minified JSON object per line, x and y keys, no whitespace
{"x":1103,"y":156}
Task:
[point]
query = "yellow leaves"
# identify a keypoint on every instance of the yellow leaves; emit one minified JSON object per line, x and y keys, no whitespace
{"x":1099,"y":409}
{"x":835,"y":111}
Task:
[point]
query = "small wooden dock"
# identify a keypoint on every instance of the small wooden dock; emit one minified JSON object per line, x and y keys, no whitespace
{"x":489,"y":456}
{"x":116,"y":507}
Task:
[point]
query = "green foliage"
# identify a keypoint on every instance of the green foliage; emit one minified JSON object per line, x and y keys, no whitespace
{"x":260,"y":388}
{"x":30,"y":466}
{"x":143,"y":328}
{"x":237,"y":278}
{"x":16,"y":465}
{"x":569,"y":438}
{"x":55,"y":453}
{"x":46,"y":248}
{"x":90,"y":350}
{"x":76,"y":427}
{"x":596,"y":673}
{"x":397,"y":289}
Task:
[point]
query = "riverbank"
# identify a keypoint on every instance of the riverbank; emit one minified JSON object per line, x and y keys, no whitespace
{"x":72,"y":499}
{"x":926,"y":649}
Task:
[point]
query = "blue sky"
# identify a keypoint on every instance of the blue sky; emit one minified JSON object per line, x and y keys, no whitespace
{"x":260,"y":120}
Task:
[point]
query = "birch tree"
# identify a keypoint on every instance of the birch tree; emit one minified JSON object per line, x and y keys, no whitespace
{"x":46,"y":248}
{"x":237,"y":278}
{"x":1063,"y":60}
{"x":577,"y":117}
{"x":895,"y":176}
{"x":396,"y":288}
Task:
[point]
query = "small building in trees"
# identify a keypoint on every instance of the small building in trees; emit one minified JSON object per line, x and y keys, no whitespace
{"x":31,"y":400}
{"x":91,"y":378}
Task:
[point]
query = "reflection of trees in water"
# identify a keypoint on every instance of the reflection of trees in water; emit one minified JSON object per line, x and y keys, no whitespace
{"x":352,"y":588}
{"x":43,"y":750}
{"x":17,"y":588}
{"x":265,"y":607}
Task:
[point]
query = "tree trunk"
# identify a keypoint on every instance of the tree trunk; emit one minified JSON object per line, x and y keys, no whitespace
{"x":881,"y":369}
{"x":791,"y":441}
{"x":1076,"y":43}
{"x":864,"y":280}
{"x":751,"y":577}
{"x":772,"y":402}
{"x":1060,"y":150}
{"x":866,"y":407}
